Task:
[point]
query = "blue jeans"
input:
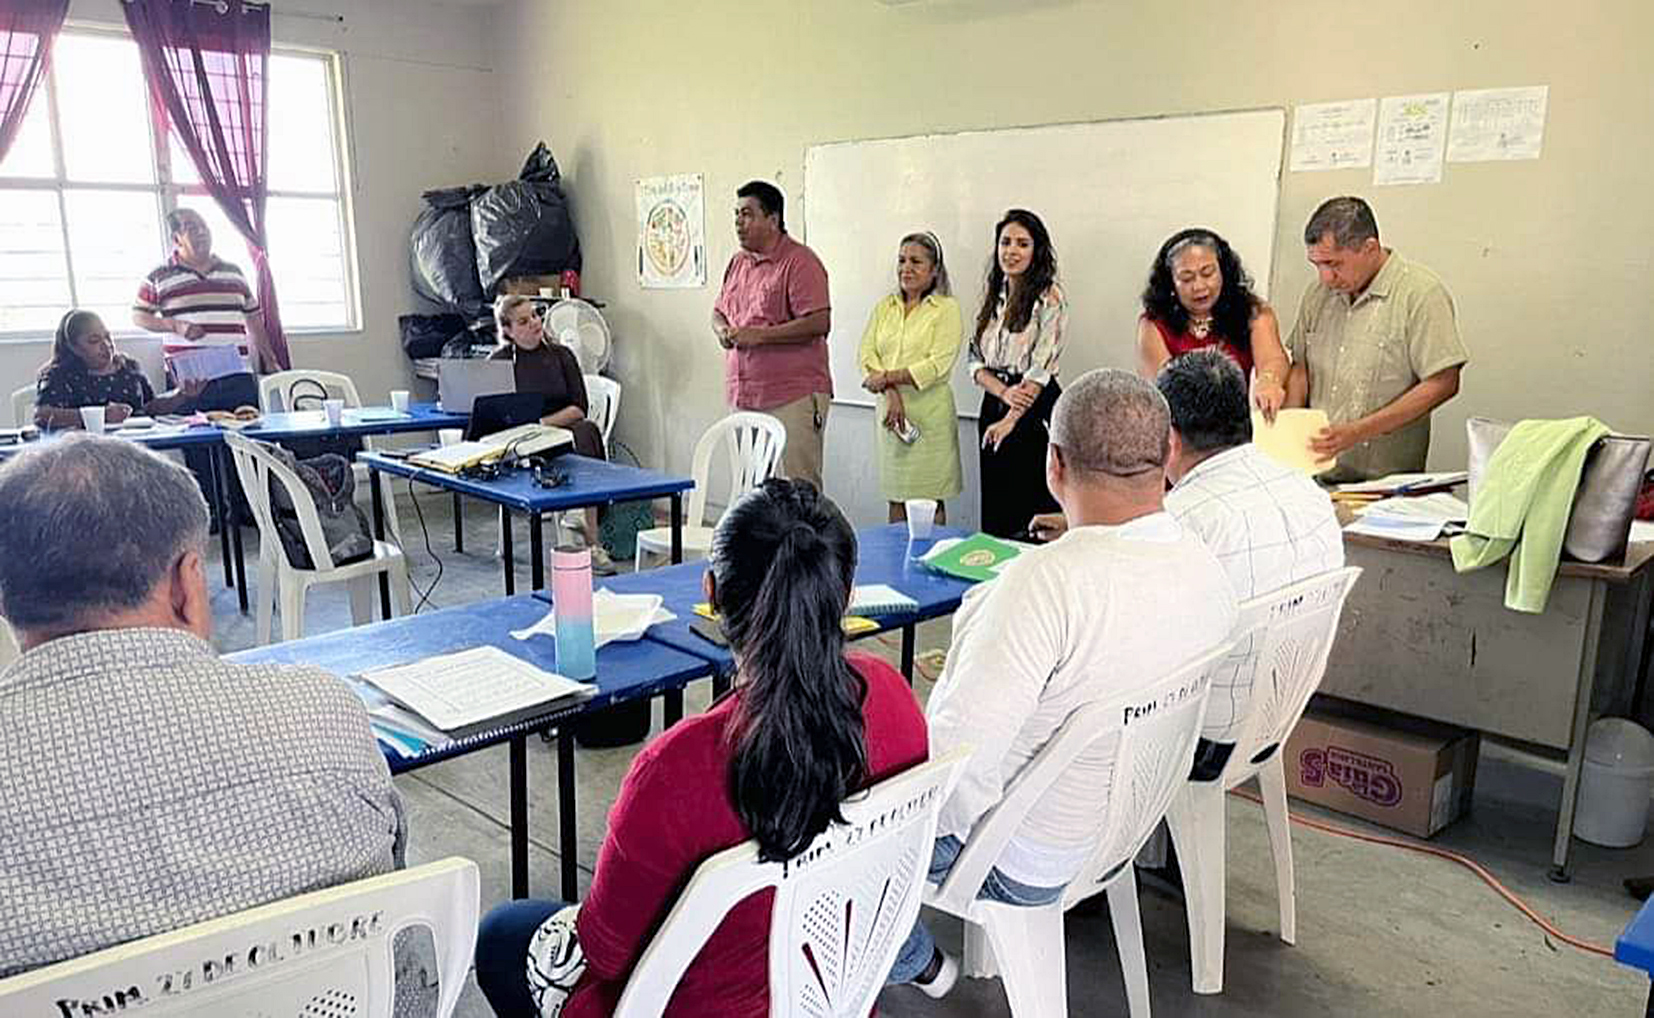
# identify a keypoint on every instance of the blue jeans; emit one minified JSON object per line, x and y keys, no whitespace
{"x":502,"y":954}
{"x":920,"y":947}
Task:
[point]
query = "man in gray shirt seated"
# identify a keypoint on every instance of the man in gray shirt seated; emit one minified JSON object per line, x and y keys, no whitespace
{"x":145,"y":784}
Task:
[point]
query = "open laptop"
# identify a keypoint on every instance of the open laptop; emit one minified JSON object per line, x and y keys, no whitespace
{"x":460,"y":381}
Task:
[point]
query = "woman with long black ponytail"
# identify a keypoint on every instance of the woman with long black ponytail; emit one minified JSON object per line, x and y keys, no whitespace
{"x":805,"y":727}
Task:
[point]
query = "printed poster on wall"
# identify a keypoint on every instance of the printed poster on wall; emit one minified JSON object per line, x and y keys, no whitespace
{"x":1412,"y":137}
{"x":1492,"y":124}
{"x":671,"y":231}
{"x":1333,"y":136}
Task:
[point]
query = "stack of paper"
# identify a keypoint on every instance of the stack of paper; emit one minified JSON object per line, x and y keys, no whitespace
{"x":523,"y":440}
{"x":1418,"y":518}
{"x":474,"y":690}
{"x":1408,"y":484}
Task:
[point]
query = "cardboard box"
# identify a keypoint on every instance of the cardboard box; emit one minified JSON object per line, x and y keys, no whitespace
{"x":1403,"y":772}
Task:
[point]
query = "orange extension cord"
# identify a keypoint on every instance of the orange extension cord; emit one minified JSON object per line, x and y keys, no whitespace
{"x":929,"y":666}
{"x":1442,"y":853}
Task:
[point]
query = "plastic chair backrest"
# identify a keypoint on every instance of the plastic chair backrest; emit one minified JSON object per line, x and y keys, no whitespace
{"x":842,"y":907}
{"x":329,"y":953}
{"x":755,"y":442}
{"x":22,"y":406}
{"x":603,"y":400}
{"x":1155,"y":729}
{"x":1292,"y":631}
{"x":278,"y":392}
{"x":257,"y":466}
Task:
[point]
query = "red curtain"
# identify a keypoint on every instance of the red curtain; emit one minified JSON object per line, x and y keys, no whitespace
{"x":207,"y":65}
{"x":27,"y":29}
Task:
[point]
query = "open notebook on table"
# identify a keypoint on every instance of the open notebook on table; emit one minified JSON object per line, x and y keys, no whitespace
{"x":523,"y":440}
{"x":473,"y":691}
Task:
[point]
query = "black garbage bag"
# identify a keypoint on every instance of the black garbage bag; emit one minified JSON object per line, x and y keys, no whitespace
{"x":424,"y":335}
{"x":523,"y":228}
{"x":444,"y":256}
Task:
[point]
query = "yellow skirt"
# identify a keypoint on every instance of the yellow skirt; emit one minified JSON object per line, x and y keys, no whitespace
{"x":929,"y":468}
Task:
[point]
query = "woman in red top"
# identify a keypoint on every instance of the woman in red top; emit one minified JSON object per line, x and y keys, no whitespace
{"x":1199,"y":295}
{"x":782,"y":563}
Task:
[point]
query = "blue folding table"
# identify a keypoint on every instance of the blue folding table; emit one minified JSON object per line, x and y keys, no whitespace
{"x":626,"y":672}
{"x":587,"y":482}
{"x":1635,"y":946}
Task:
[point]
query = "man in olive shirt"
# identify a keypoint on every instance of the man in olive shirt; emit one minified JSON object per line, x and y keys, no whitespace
{"x":1376,"y":345}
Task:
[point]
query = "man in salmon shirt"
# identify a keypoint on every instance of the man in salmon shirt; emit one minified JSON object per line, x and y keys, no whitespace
{"x":772,"y":317}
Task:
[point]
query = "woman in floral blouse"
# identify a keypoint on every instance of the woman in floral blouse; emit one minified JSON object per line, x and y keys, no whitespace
{"x":1013,"y":359}
{"x":86,"y":371}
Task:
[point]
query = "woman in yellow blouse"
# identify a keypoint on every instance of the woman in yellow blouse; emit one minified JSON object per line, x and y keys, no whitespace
{"x":907,"y":356}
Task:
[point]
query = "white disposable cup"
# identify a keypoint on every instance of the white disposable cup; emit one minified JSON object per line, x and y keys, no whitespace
{"x":450,"y":436}
{"x":399,"y":400}
{"x":547,"y":292}
{"x":91,"y":418}
{"x":335,"y":411}
{"x":921,"y":516}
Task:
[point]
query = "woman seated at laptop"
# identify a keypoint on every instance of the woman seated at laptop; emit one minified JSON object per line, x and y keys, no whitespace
{"x":805,"y":727}
{"x":85,"y":371}
{"x":551,"y":370}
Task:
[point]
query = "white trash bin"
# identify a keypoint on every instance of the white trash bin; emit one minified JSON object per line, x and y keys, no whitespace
{"x":1614,"y":788}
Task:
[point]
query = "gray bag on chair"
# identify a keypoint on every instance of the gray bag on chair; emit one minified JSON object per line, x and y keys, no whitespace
{"x":332,"y":487}
{"x":1600,"y":522}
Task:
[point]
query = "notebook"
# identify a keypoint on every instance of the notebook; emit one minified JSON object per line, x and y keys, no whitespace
{"x":880,"y":599}
{"x":976,"y":558}
{"x":474,"y":690}
{"x":523,"y":440}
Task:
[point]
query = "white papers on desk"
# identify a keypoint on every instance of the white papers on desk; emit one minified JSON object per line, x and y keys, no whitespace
{"x":1287,"y":440}
{"x":880,"y":599}
{"x":457,"y":693}
{"x":1419,"y":518}
{"x":206,"y":363}
{"x":1401,"y":483}
{"x":614,"y":617}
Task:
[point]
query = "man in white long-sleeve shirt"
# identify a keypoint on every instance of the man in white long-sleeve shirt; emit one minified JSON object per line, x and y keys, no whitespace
{"x":1124,"y":597}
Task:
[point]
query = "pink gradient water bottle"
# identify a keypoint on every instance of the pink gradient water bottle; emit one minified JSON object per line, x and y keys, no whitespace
{"x":571,"y":593}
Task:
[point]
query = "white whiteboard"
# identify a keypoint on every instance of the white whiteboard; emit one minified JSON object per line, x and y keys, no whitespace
{"x":1109,"y":192}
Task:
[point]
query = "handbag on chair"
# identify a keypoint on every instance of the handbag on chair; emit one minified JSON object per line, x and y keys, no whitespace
{"x":1600,"y":522}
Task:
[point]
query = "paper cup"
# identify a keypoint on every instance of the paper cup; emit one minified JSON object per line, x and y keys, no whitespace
{"x":921,"y":516}
{"x":335,"y":411}
{"x":399,"y":400}
{"x":91,"y":418}
{"x":450,"y":436}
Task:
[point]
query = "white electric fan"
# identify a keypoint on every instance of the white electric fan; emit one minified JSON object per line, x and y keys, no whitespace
{"x":577,"y":325}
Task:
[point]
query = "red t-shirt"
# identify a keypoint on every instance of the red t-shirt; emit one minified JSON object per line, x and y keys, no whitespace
{"x":1178,"y":345}
{"x":673,"y":812}
{"x":773,"y":288}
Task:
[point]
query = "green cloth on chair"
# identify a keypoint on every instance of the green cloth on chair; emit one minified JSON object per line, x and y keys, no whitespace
{"x":1522,"y":505}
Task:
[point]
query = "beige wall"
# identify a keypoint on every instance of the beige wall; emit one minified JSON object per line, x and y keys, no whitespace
{"x":1548,"y":259}
{"x":418,"y":88}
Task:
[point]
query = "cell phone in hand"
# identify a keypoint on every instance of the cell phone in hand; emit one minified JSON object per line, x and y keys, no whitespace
{"x":709,"y":631}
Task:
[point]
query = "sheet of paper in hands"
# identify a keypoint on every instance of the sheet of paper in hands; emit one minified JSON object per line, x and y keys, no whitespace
{"x":614,"y":617}
{"x":1287,"y":440}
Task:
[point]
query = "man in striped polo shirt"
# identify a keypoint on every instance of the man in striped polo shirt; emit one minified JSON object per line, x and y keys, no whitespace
{"x":198,"y":300}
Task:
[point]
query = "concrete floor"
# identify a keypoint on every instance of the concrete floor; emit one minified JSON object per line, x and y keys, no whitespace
{"x":1380,"y":931}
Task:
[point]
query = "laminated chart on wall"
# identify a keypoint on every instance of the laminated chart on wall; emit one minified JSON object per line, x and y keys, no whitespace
{"x":1412,"y":138}
{"x":1492,"y":124}
{"x":1333,"y":136}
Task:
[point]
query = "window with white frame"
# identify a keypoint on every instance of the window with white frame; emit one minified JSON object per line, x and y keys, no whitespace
{"x":87,"y":183}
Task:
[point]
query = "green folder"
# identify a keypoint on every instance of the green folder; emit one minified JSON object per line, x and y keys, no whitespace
{"x":976,"y":558}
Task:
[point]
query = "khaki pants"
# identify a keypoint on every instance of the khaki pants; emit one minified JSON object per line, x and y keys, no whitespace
{"x":806,"y":423}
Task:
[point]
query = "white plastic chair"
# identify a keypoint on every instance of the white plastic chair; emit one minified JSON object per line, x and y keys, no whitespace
{"x":22,"y":406}
{"x":842,"y":907}
{"x":327,"y":953}
{"x":755,"y":443}
{"x":602,"y":404}
{"x":275,"y":395}
{"x":1156,"y":730}
{"x":278,"y":579}
{"x":9,"y":651}
{"x":1293,"y":631}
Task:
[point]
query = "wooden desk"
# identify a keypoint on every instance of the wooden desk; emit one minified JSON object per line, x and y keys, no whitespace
{"x":1420,"y":638}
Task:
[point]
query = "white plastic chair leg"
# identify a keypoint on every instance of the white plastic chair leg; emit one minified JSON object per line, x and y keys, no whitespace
{"x":292,"y":607}
{"x":1128,"y":940}
{"x":1272,"y":783}
{"x":978,"y":962}
{"x":362,"y":595}
{"x":1199,"y":833}
{"x":1033,"y":959}
{"x":401,"y":588}
{"x":264,"y":593}
{"x":393,"y":523}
